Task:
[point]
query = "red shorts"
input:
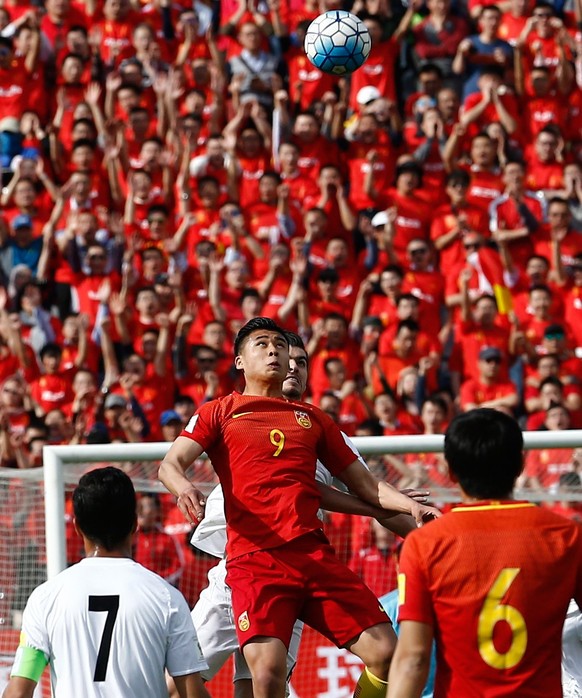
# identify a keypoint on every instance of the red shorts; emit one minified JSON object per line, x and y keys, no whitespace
{"x":302,"y":579}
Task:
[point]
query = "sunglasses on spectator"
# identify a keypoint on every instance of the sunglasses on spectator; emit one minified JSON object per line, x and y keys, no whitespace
{"x":472,"y":245}
{"x":554,"y":336}
{"x":492,"y":361}
{"x":157,"y":220}
{"x":542,"y":15}
{"x":91,"y":257}
{"x":418,"y":250}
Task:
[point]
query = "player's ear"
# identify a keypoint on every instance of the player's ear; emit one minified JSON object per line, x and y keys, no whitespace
{"x":238,"y":362}
{"x":77,"y":529}
{"x":452,"y":475}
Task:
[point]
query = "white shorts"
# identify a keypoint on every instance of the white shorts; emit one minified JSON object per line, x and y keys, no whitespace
{"x":214,"y":623}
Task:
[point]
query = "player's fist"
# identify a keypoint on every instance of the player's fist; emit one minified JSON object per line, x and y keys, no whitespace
{"x":191,"y":503}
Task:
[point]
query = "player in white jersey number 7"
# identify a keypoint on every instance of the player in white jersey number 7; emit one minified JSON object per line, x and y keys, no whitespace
{"x":107,"y":626}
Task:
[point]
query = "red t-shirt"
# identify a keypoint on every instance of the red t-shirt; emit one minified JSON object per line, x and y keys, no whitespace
{"x":475,"y":392}
{"x":478,"y":566}
{"x":264,"y":452}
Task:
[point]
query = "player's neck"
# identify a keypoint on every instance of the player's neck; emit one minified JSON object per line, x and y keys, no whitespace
{"x":92,"y":550}
{"x":263,"y":389}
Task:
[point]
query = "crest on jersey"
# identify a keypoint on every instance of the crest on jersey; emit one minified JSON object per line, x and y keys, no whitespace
{"x":303,"y":419}
{"x":243,"y":622}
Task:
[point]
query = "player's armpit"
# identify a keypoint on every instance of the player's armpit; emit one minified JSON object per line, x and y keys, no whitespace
{"x":19,"y":687}
{"x":411,"y":661}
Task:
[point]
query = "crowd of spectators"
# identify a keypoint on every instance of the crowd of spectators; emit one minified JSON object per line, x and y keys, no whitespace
{"x":172,"y":169}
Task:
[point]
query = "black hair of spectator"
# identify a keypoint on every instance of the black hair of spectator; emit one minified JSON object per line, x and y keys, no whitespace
{"x":131,"y":87}
{"x":288,"y":143}
{"x":332,"y":360}
{"x":557,"y":200}
{"x":552,"y":130}
{"x":84,"y":143}
{"x":371,"y":425}
{"x":551,"y":380}
{"x":84,"y":121}
{"x":409,"y":167}
{"x":154,"y":139}
{"x":540,"y":287}
{"x":104,"y":504}
{"x":335,"y":316}
{"x":458,"y":177}
{"x":484,"y":452}
{"x":328,"y":274}
{"x":395,"y":269}
{"x":430,"y":68}
{"x":544,"y":4}
{"x":257,"y":323}
{"x":249,"y":293}
{"x":98,"y":434}
{"x":364,"y":15}
{"x":7,"y":43}
{"x":51,"y":349}
{"x":196,"y":349}
{"x":515,"y":161}
{"x":78,"y":28}
{"x":437,"y":401}
{"x":144,"y":289}
{"x":488,"y":8}
{"x":154,"y":497}
{"x":184,"y":399}
{"x":207,"y":179}
{"x":408,"y":324}
{"x":407,"y":297}
{"x":158,"y":208}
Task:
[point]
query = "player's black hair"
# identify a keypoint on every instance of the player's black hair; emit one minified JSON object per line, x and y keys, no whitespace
{"x":104,"y":504}
{"x":295,"y":340}
{"x":257,"y":323}
{"x":483,"y":448}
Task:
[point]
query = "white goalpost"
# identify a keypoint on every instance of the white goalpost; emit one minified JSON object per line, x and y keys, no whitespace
{"x":54,"y":457}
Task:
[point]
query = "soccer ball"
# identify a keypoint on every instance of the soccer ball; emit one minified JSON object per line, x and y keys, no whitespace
{"x":337,"y":42}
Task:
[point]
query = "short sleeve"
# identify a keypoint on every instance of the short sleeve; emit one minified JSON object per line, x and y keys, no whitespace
{"x":413,"y":594}
{"x":332,"y":449}
{"x":184,"y":655}
{"x":204,"y":426}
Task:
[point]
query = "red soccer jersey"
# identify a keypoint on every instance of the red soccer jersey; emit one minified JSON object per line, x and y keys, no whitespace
{"x":264,"y":452}
{"x":477,"y":576}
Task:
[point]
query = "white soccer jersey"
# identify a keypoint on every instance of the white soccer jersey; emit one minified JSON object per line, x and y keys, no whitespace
{"x":109,"y":628}
{"x":572,"y":652}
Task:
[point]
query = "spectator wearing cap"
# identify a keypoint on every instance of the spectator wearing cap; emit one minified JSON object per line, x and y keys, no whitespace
{"x":19,"y":246}
{"x":124,"y":419}
{"x":371,"y":156}
{"x":379,"y":69}
{"x":489,"y":390}
{"x":423,"y":280}
{"x":171,"y":425}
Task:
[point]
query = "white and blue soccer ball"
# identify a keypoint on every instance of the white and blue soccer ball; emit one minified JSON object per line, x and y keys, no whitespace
{"x":337,"y":42}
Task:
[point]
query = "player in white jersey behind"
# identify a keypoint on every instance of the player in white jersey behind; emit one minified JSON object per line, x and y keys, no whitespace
{"x":107,"y":626}
{"x":212,"y":614}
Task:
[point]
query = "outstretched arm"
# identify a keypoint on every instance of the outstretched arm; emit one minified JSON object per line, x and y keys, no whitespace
{"x":361,"y":482}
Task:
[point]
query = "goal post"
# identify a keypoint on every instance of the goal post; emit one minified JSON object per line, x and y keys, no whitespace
{"x":54,"y":457}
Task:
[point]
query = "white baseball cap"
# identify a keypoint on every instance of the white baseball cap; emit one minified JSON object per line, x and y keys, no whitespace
{"x":381,"y":218}
{"x":367,"y":94}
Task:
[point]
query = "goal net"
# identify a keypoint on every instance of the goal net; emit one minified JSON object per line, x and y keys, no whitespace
{"x":39,"y":537}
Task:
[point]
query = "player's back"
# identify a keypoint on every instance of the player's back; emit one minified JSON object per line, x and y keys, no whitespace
{"x":497,"y":579}
{"x":110,"y":627}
